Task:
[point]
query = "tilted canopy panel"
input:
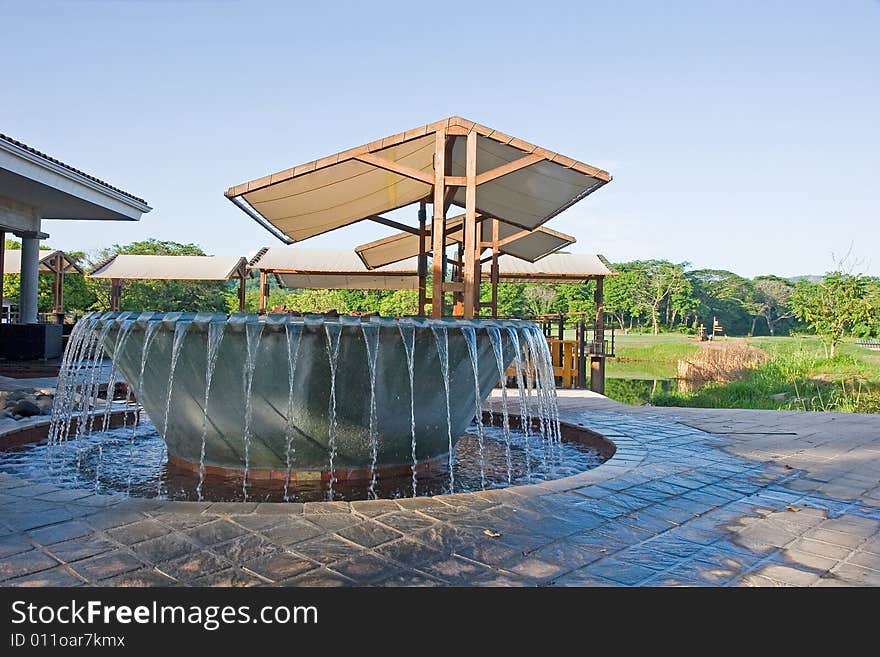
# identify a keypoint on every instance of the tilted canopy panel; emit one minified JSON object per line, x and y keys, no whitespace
{"x":531,"y":246}
{"x":554,"y":268}
{"x":168,"y":267}
{"x":527,"y":197}
{"x":396,"y":171}
{"x":340,"y":195}
{"x":12,"y":262}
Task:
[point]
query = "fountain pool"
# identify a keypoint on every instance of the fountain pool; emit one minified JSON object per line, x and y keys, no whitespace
{"x":290,"y":400}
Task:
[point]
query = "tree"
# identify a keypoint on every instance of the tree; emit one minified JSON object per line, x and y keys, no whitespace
{"x":773,"y":300}
{"x":654,"y":284}
{"x":539,"y":299}
{"x":833,"y":307}
{"x":618,"y":294}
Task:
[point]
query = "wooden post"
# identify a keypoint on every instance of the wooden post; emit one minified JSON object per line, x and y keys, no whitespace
{"x":582,"y":352}
{"x":423,"y":259}
{"x":438,"y":229}
{"x":597,"y":357}
{"x":115,"y":293}
{"x":242,"y":289}
{"x":264,"y":290}
{"x":471,"y":243}
{"x":493,"y":273}
{"x":58,"y":288}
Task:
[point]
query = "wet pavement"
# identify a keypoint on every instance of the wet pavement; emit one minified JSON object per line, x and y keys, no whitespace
{"x":698,"y":497}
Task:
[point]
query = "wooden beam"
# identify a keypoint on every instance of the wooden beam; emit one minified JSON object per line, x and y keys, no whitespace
{"x":264,"y":290}
{"x":385,"y":221}
{"x":58,"y":286}
{"x":510,"y":167}
{"x":438,"y":228}
{"x":396,"y":167}
{"x":597,"y":363}
{"x":453,"y":286}
{"x":493,"y":273}
{"x":471,"y":247}
{"x":242,"y":289}
{"x":423,"y":258}
{"x":456,"y":181}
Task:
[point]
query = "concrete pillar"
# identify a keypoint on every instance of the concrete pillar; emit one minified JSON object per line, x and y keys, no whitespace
{"x":30,"y":274}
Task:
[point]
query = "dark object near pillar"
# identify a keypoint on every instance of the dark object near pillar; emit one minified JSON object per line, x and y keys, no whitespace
{"x":30,"y":341}
{"x":597,"y":359}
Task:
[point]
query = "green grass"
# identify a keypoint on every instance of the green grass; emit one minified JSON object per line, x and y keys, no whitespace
{"x":798,"y":376}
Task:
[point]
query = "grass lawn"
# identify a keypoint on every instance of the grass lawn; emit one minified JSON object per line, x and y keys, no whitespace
{"x":798,"y":375}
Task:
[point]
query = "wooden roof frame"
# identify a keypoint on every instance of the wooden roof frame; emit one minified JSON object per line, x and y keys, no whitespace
{"x":453,"y":126}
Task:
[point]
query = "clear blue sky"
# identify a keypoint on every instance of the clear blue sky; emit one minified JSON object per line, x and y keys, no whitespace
{"x":741,"y":135}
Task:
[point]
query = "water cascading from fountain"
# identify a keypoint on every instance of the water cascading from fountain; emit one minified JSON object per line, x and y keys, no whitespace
{"x":408,"y":336}
{"x":498,"y":350}
{"x":524,"y":420}
{"x":292,"y":339}
{"x":441,"y":338}
{"x":215,"y":337}
{"x":180,"y":331}
{"x":470,"y":337}
{"x":332,"y":331}
{"x":295,"y":434}
{"x":371,"y":341}
{"x":253,"y":333}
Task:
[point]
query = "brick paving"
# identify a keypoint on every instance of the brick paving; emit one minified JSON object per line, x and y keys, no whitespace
{"x":694,"y":497}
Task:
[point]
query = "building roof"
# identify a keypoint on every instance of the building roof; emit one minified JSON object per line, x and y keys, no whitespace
{"x":53,"y":160}
{"x":12,"y":262}
{"x":554,"y":268}
{"x":530,"y":184}
{"x":528,"y":245}
{"x":169,"y":267}
{"x":58,"y":190}
{"x":334,"y":269}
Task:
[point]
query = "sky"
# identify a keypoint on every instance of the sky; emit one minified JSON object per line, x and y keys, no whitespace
{"x":742,"y":135}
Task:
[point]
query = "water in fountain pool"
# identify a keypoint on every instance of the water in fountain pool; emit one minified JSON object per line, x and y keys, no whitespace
{"x":105,"y":467}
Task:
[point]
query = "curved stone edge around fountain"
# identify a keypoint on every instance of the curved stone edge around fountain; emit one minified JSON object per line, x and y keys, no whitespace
{"x":626,"y":453}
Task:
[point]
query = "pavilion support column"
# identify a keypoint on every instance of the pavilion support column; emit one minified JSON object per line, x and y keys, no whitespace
{"x":493,"y":273}
{"x":58,"y":288}
{"x":597,"y":356}
{"x":423,"y":259}
{"x":115,"y":293}
{"x":264,"y":290}
{"x":471,"y":244}
{"x":30,"y":274}
{"x":438,"y":229}
{"x":242,"y":290}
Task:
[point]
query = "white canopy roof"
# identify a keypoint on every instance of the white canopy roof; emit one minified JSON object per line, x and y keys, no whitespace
{"x":168,"y":267}
{"x":529,"y":245}
{"x":334,"y":269}
{"x":12,"y":262}
{"x":339,"y":269}
{"x":554,"y":268}
{"x":528,"y":187}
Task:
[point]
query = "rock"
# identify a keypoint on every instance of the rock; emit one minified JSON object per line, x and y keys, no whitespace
{"x":779,"y":396}
{"x":16,"y":395}
{"x":25,"y":408}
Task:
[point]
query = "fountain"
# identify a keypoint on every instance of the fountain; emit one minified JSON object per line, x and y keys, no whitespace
{"x":296,"y":398}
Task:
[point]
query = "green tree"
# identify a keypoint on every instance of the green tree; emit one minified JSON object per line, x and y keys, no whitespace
{"x":834,"y":306}
{"x":539,"y":299}
{"x":773,"y":300}
{"x":656,"y":282}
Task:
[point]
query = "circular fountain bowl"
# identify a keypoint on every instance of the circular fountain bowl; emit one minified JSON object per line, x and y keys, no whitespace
{"x":296,"y":426}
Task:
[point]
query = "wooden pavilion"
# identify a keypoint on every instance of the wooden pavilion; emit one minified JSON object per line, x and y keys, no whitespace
{"x":507,"y":187}
{"x":56,"y":263}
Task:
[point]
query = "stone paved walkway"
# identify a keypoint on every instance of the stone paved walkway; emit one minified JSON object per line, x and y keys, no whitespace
{"x":692,"y":497}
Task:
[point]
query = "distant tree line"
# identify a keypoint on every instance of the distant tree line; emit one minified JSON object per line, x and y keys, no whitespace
{"x":646,"y":296}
